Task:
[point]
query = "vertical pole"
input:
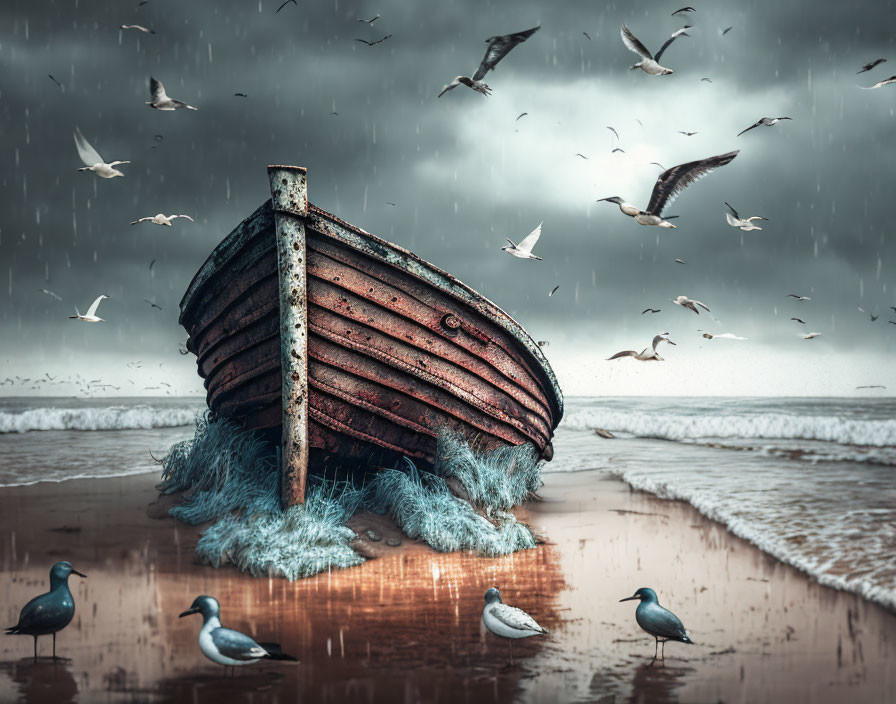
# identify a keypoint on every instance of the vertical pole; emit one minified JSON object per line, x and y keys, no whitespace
{"x":289,"y":198}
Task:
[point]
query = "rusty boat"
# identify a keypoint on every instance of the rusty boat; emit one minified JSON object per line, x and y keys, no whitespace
{"x":339,"y":343}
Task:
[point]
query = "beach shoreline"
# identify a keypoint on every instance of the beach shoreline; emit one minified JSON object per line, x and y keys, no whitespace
{"x":406,"y":626}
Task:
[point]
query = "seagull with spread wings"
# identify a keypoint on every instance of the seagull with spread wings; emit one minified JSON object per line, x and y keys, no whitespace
{"x":764,"y":122}
{"x":650,"y":63}
{"x":378,"y":41}
{"x":94,"y":162}
{"x":90,"y":315}
{"x":523,"y":250}
{"x":160,"y":99}
{"x":667,"y":188}
{"x":498,"y":47}
{"x":161,"y":219}
{"x":745,"y":224}
{"x":690,"y":304}
{"x":880,"y":84}
{"x":139,"y":28}
{"x":648,"y":354}
{"x":870,"y":65}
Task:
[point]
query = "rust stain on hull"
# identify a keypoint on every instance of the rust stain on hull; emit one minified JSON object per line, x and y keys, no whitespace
{"x":395,"y":349}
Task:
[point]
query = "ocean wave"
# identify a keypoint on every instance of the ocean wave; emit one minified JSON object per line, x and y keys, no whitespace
{"x":679,"y":427}
{"x":873,"y":570}
{"x":140,"y":417}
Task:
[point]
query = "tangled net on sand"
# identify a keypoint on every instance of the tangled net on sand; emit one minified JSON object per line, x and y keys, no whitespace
{"x":231,"y":477}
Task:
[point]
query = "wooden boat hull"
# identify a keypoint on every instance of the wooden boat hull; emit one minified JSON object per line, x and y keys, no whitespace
{"x":390,"y":351}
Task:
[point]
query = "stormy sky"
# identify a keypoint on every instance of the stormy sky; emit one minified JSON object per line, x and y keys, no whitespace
{"x":464,"y":174}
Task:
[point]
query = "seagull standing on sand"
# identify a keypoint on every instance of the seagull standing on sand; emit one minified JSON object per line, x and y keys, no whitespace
{"x":94,"y":162}
{"x":161,"y":219}
{"x":745,"y":224}
{"x":523,"y":250}
{"x":498,"y":48}
{"x":90,"y":316}
{"x":661,"y":623}
{"x":51,"y":612}
{"x":645,"y":355}
{"x":649,"y":63}
{"x":668,"y":186}
{"x":225,"y":646}
{"x":690,"y":304}
{"x":764,"y":122}
{"x":160,"y":99}
{"x":880,"y":84}
{"x":508,"y":621}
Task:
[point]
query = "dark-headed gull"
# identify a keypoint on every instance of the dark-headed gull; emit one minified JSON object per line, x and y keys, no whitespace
{"x":498,"y":47}
{"x":764,"y":122}
{"x":745,"y":224}
{"x":508,"y":621}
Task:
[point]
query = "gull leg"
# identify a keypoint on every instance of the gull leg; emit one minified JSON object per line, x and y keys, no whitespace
{"x":511,"y":653}
{"x":54,"y":646}
{"x":35,"y":648}
{"x":664,"y":650}
{"x":656,"y":647}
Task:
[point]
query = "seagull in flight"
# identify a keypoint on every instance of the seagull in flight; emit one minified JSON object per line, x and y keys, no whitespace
{"x":154,"y":305}
{"x":94,"y":162}
{"x":523,"y":250}
{"x":649,"y":63}
{"x":873,"y":317}
{"x":378,"y":41}
{"x":690,"y":304}
{"x":726,"y":30}
{"x":54,"y":80}
{"x":650,"y":310}
{"x":522,"y":114}
{"x":870,"y":65}
{"x":139,"y":28}
{"x":764,"y":122}
{"x":723,"y":336}
{"x":684,"y":9}
{"x":745,"y":224}
{"x":554,"y":290}
{"x":667,"y":188}
{"x":799,"y":298}
{"x":811,"y":335}
{"x":90,"y":316}
{"x":160,"y":99}
{"x":686,"y":134}
{"x":648,"y":354}
{"x":498,"y":48}
{"x":879,"y":84}
{"x":707,"y":80}
{"x":613,"y":131}
{"x":287,"y":3}
{"x":799,"y":320}
{"x":370,"y":21}
{"x":51,"y":294}
{"x":162,"y":219}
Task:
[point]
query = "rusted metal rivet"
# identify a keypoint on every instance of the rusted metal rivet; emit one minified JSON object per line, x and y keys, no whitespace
{"x":450,"y":321}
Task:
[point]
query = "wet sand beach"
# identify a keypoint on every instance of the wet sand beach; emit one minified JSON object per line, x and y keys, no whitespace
{"x":406,"y":627}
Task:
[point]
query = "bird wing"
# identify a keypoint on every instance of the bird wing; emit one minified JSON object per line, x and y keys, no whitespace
{"x":658,"y":339}
{"x":93,"y":306}
{"x":498,"y":48}
{"x":749,"y":128}
{"x":733,"y":221}
{"x":451,"y":86}
{"x":662,"y":623}
{"x":87,"y":153}
{"x":157,"y":90}
{"x":702,"y":305}
{"x":613,"y":131}
{"x":733,"y":211}
{"x":624,"y":353}
{"x":730,"y":336}
{"x":515,"y":618}
{"x":236,"y":645}
{"x":529,"y":242}
{"x":632,"y":43}
{"x":182,"y":216}
{"x":673,"y":181}
{"x":677,"y":33}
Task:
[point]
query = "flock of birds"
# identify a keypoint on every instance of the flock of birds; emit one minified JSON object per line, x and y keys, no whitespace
{"x":670,"y":183}
{"x":49,"y":613}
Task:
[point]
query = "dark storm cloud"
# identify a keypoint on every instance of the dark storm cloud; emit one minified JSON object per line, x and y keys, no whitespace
{"x":461,"y":176}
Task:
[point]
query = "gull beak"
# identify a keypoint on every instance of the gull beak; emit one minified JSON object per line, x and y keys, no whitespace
{"x":628,"y":598}
{"x":80,"y":574}
{"x":189,"y":612}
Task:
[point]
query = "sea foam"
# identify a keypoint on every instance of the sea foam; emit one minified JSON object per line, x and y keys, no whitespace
{"x":138,"y":417}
